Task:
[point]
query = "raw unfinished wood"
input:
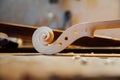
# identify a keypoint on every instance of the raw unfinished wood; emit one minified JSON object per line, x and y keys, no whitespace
{"x":59,"y":67}
{"x":50,"y":46}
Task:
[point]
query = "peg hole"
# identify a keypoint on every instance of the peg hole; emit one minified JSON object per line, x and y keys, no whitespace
{"x":66,"y":38}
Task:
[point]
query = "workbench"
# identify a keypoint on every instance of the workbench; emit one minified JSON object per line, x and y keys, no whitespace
{"x":70,"y":66}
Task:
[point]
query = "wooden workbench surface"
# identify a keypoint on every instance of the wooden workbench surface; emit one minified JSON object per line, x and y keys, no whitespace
{"x":60,"y":66}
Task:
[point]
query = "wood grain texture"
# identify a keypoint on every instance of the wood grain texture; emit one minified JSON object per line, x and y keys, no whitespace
{"x":58,"y":67}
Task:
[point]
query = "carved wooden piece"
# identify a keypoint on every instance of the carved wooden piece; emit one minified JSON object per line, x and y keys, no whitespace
{"x":43,"y":37}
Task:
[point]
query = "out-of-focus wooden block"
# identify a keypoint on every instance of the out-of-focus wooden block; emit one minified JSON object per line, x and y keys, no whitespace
{"x":71,"y":67}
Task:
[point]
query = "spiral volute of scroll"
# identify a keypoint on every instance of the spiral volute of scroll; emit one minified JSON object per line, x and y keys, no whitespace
{"x":42,"y":36}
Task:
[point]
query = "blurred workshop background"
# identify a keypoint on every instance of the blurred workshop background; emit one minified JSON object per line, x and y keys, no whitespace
{"x":58,"y":14}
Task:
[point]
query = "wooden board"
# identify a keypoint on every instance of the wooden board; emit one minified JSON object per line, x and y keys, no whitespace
{"x":33,"y":66}
{"x":25,"y":32}
{"x":17,"y":30}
